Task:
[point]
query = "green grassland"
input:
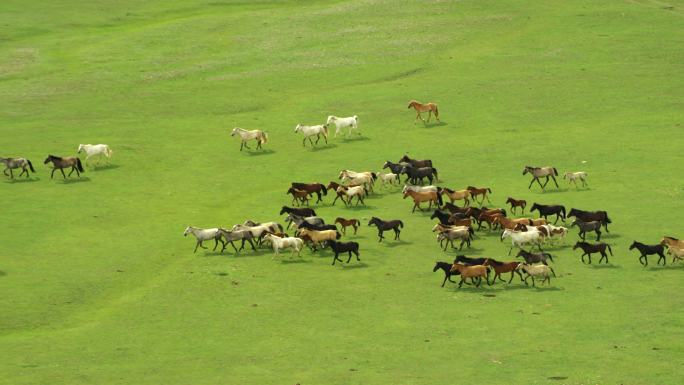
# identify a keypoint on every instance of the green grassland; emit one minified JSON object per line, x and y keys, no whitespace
{"x":99,"y":286}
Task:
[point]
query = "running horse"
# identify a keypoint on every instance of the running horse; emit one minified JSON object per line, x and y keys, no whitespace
{"x":541,"y":172}
{"x":420,"y":107}
{"x":59,"y":163}
{"x":12,"y":163}
{"x":245,"y":135}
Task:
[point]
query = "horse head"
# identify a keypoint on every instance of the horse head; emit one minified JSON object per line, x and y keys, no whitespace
{"x":299,"y":127}
{"x":331,"y":119}
{"x":187,"y":231}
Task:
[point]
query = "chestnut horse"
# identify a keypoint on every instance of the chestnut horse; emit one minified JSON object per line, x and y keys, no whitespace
{"x":419,"y":197}
{"x":456,"y":195}
{"x":420,"y":107}
{"x":346,"y":223}
{"x":503,"y":267}
{"x":474,"y":192}
{"x":517,"y":203}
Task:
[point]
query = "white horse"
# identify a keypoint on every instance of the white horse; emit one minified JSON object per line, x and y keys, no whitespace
{"x":260,"y":136}
{"x":95,"y":149}
{"x":388,"y":178}
{"x":408,"y":187}
{"x":351,"y":122}
{"x":279,"y":243}
{"x":521,"y":238}
{"x":357,"y":178}
{"x":556,"y":233}
{"x":533,"y":271}
{"x":257,"y":231}
{"x":357,"y":191}
{"x":573,"y":176}
{"x":203,"y":235}
{"x":309,"y":131}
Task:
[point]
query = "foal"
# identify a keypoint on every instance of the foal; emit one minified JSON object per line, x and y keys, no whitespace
{"x":573,"y":176}
{"x":300,"y":196}
{"x":474,"y":192}
{"x":517,"y":203}
{"x":346,"y":223}
{"x":646,"y":250}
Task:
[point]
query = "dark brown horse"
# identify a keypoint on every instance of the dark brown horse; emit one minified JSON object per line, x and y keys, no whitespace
{"x":589,"y":249}
{"x":420,"y":107}
{"x":59,"y":163}
{"x":346,"y":223}
{"x":414,"y":162}
{"x":300,"y":196}
{"x":340,"y":194}
{"x":517,"y":203}
{"x":312,"y":188}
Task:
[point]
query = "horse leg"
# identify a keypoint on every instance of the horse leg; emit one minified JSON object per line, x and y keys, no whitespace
{"x":590,"y":258}
{"x":12,"y":174}
{"x":196,"y":246}
{"x":380,"y":237}
{"x":304,"y":142}
{"x":446,"y":276}
{"x":349,"y":256}
{"x":396,"y":234}
{"x":355,"y":227}
{"x":660,"y":253}
{"x":62,"y":170}
{"x":72,"y":171}
{"x":531,"y":182}
{"x":556,"y":183}
{"x":598,"y":235}
{"x":242,"y":144}
{"x":582,"y":258}
{"x":246,"y":146}
{"x":429,"y":115}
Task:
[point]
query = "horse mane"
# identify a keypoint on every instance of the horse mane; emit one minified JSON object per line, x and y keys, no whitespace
{"x":673,"y":238}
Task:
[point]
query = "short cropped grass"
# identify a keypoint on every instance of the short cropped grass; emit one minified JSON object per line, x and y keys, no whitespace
{"x":99,"y":286}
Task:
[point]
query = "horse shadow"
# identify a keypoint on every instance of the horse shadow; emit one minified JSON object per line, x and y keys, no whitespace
{"x":435,"y":124}
{"x":359,"y":207}
{"x":351,"y":265}
{"x":82,"y":179}
{"x":294,"y":260}
{"x":105,"y":167}
{"x":2,"y":273}
{"x":358,"y":138}
{"x":553,"y":190}
{"x":610,"y":235}
{"x":605,"y":266}
{"x":23,"y":180}
{"x":260,"y":152}
{"x":324,"y":147}
{"x":393,"y":243}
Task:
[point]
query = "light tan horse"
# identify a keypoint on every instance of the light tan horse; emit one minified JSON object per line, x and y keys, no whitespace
{"x":475,"y":271}
{"x":420,"y":107}
{"x":672,"y":242}
{"x":457,"y":195}
{"x":427,"y":196}
{"x":245,"y":135}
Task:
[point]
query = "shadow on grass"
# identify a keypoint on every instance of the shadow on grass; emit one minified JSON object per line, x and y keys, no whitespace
{"x":352,"y":265}
{"x":435,"y":124}
{"x":260,"y":152}
{"x":653,"y":267}
{"x":323,"y":148}
{"x":104,"y":167}
{"x":605,"y":266}
{"x":292,"y":260}
{"x":355,"y":138}
{"x":605,"y":235}
{"x":22,"y":180}
{"x":359,"y":207}
{"x":82,"y":179}
{"x":549,"y":190}
{"x":393,"y":243}
{"x":2,"y":273}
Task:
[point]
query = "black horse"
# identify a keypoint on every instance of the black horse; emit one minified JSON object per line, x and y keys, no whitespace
{"x":590,"y":216}
{"x":312,"y":188}
{"x":531,"y":258}
{"x":302,"y":212}
{"x":441,"y":216}
{"x":396,"y":168}
{"x":317,"y":227}
{"x":594,"y":226}
{"x":646,"y":250}
{"x":546,"y":210}
{"x":452,"y":208}
{"x":469,"y":261}
{"x":589,"y":249}
{"x":344,"y":247}
{"x":446,"y":267}
{"x":416,"y":175}
{"x":383,"y":226}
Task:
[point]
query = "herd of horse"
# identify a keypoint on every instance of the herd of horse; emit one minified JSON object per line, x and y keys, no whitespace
{"x":454,"y":223}
{"x":100,"y":151}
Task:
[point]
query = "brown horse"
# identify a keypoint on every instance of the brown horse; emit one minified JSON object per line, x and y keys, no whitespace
{"x":491,"y":218}
{"x":517,"y":203}
{"x":300,"y":196}
{"x":475,"y":192}
{"x":340,"y":195}
{"x":427,"y":196}
{"x":456,"y":195}
{"x":59,"y":163}
{"x":508,"y":223}
{"x":312,"y":188}
{"x":346,"y":223}
{"x":503,"y":267}
{"x":420,"y":107}
{"x":672,"y":242}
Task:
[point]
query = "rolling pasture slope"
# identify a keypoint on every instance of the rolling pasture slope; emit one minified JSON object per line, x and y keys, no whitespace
{"x":98,"y":285}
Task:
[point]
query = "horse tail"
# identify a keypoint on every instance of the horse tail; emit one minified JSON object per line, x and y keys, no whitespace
{"x":609,"y":249}
{"x":337,"y":235}
{"x":356,"y":121}
{"x":503,"y":211}
{"x":436,"y":112}
{"x":79,"y":166}
{"x":264,"y":137}
{"x":607,"y":219}
{"x":555,"y":171}
{"x":280,"y":227}
{"x":30,"y":165}
{"x":108,"y":152}
{"x":401,"y":224}
{"x":325,"y":190}
{"x":550,"y":257}
{"x":439,"y":199}
{"x":563,"y":211}
{"x":325,"y":130}
{"x":434,"y":171}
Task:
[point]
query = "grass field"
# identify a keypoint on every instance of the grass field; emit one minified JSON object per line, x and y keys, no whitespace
{"x":100,"y":287}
